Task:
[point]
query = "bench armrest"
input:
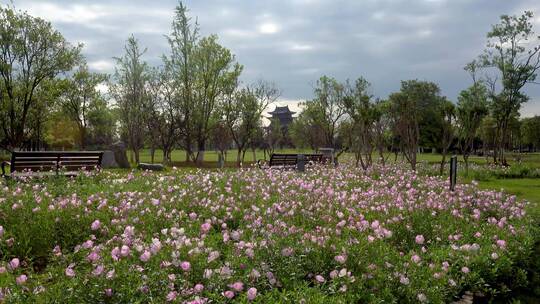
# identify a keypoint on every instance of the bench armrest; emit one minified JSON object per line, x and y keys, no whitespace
{"x":4,"y":163}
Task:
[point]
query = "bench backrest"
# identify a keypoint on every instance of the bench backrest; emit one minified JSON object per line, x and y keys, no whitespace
{"x":55,"y":160}
{"x":292,"y":159}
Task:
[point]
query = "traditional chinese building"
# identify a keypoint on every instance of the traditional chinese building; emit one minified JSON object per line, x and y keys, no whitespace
{"x":283,"y":114}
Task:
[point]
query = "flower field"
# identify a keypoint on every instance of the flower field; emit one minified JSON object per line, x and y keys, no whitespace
{"x":260,"y":236}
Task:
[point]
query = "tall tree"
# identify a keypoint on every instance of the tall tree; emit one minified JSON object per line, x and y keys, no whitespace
{"x":411,"y":107}
{"x":327,"y":109}
{"x":447,"y":116}
{"x":216,"y":72}
{"x":31,"y":52}
{"x":363,"y":115}
{"x":164,"y":112}
{"x":181,"y":62}
{"x":79,"y":97}
{"x":243,"y":113}
{"x":130,"y":92}
{"x":514,"y":51}
{"x":472,"y":107}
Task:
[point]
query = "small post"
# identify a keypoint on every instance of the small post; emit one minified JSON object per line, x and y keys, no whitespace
{"x":301,"y":163}
{"x":453,"y":172}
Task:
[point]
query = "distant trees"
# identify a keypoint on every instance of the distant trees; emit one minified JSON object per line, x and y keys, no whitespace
{"x":31,"y":53}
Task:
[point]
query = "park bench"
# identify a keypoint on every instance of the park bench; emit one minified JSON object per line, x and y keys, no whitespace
{"x":51,"y":163}
{"x":290,"y":161}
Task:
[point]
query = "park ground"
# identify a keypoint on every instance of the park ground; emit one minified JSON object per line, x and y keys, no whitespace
{"x":489,"y":239}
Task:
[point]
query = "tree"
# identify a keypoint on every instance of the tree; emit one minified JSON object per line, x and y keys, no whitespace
{"x":79,"y":96}
{"x":130,"y":92}
{"x":216,"y":73}
{"x":447,"y":115}
{"x":243,"y":112}
{"x":306,"y":130}
{"x":273,"y":136}
{"x":530,"y":132}
{"x":514,"y":51}
{"x":31,"y":52}
{"x":411,"y":107}
{"x":181,"y":62}
{"x":163,"y":112}
{"x":101,"y":124}
{"x":363,"y":115}
{"x":222,"y":139}
{"x":472,"y":107}
{"x":327,"y":109}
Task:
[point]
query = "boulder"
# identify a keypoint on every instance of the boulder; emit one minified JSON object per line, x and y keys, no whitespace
{"x":108,"y":160}
{"x":151,"y":167}
{"x":120,"y":156}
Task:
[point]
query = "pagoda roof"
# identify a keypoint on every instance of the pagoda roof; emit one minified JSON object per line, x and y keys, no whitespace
{"x":281,"y":110}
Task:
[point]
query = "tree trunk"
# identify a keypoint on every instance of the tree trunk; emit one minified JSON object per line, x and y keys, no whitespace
{"x":200,"y":152}
{"x":443,"y":162}
{"x":239,"y":157}
{"x":466,"y":160}
{"x":152,"y":153}
{"x":136,"y":152}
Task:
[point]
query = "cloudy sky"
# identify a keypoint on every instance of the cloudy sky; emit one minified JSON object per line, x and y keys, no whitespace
{"x":294,"y":42}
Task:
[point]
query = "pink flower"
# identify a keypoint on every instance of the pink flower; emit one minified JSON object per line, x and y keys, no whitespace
{"x":205,"y":227}
{"x":95,"y":225}
{"x":124,"y":251}
{"x":185,"y":265}
{"x":238,"y":286}
{"x":198,"y":288}
{"x":21,"y":279}
{"x":98,"y":270}
{"x":319,"y":278}
{"x":465,"y":269}
{"x":419,"y":239}
{"x":501,"y":244}
{"x":93,"y":256}
{"x":108,"y":292}
{"x":70,"y":272}
{"x":228,"y":294}
{"x":171,"y":296}
{"x":1,"y":231}
{"x":14,"y":263}
{"x":286,"y":252}
{"x":251,"y":293}
{"x":494,"y":256}
{"x":340,"y":259}
{"x":415,"y":258}
{"x":404,"y":280}
{"x":145,"y":256}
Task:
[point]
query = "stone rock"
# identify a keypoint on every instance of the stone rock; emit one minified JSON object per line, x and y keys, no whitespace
{"x":108,"y":160}
{"x":120,"y":155}
{"x":151,"y":167}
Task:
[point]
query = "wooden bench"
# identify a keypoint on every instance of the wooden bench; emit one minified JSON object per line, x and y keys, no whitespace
{"x":51,"y":163}
{"x":291,"y":160}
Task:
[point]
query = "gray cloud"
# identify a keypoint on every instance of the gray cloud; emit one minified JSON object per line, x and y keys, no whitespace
{"x":294,"y":42}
